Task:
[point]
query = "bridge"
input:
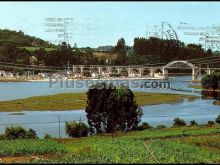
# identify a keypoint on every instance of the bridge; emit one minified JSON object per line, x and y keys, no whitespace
{"x":142,"y":70}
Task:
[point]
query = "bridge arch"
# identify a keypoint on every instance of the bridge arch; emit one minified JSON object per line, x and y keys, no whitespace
{"x":183,"y":62}
{"x":193,"y":67}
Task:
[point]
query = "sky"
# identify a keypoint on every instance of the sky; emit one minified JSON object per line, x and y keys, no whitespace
{"x":103,"y":23}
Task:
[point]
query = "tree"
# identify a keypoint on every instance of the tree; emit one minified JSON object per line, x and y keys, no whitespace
{"x":75,"y":129}
{"x":217,"y":120}
{"x":177,"y":122}
{"x":120,"y":49}
{"x":211,"y":81}
{"x":109,"y":109}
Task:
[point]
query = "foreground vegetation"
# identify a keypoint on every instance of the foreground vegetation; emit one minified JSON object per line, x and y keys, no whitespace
{"x":188,"y":144}
{"x":75,"y":101}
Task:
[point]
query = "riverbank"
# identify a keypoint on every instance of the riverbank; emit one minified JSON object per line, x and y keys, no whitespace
{"x":76,"y":101}
{"x":12,"y":80}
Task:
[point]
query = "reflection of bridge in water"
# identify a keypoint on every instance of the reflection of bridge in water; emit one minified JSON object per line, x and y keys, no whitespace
{"x":141,"y":71}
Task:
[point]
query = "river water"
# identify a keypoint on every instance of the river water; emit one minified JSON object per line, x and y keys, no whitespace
{"x":47,"y":121}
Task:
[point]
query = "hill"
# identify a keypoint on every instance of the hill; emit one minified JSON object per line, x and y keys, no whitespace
{"x":20,"y":39}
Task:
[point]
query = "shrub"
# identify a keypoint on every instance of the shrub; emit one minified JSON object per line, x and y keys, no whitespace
{"x":211,"y":81}
{"x":177,"y":122}
{"x":193,"y":123}
{"x":2,"y":137}
{"x":161,"y":126}
{"x":144,"y":126}
{"x":74,"y":129}
{"x":47,"y":136}
{"x":217,"y":120}
{"x":210,"y":123}
{"x":18,"y":132}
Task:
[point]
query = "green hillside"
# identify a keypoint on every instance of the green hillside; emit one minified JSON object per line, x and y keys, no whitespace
{"x":20,"y":39}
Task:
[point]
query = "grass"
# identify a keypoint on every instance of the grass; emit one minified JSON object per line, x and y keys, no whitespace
{"x":196,"y":86}
{"x":28,"y":147}
{"x":197,"y":144}
{"x":75,"y":101}
{"x":174,"y":145}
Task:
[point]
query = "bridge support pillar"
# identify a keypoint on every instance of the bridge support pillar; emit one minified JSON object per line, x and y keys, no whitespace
{"x":140,"y":70}
{"x":152,"y":71}
{"x":100,"y":69}
{"x":129,"y":70}
{"x":208,"y":71}
{"x":165,"y":73}
{"x":81,"y":69}
{"x":118,"y":69}
{"x":74,"y":69}
{"x":194,"y":75}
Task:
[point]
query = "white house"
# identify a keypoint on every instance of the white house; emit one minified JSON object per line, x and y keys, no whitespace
{"x":95,"y":75}
{"x":9,"y":75}
{"x":2,"y":73}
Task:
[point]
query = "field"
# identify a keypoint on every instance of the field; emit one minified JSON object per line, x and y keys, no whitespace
{"x":197,"y":144}
{"x":76,"y":101}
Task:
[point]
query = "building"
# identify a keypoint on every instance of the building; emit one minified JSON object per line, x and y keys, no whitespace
{"x":2,"y":73}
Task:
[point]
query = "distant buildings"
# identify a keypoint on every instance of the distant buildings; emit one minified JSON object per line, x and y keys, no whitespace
{"x":2,"y":73}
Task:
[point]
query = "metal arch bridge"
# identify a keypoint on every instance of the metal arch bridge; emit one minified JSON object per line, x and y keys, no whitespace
{"x":153,"y":70}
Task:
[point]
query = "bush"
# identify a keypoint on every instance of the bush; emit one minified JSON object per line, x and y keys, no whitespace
{"x":74,"y":129}
{"x":193,"y":123}
{"x":144,"y":126}
{"x":211,"y":81}
{"x":2,"y":137}
{"x":210,"y":123}
{"x":161,"y":127}
{"x":18,"y":132}
{"x":47,"y":136}
{"x":217,"y":120}
{"x":177,"y":122}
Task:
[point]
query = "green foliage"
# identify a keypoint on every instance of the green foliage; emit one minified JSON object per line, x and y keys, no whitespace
{"x":133,"y":147}
{"x":75,"y":129}
{"x":109,"y":109}
{"x":29,"y":146}
{"x":161,"y":127}
{"x":144,"y":126}
{"x":47,"y":136}
{"x":193,"y":123}
{"x":18,"y":132}
{"x":210,"y":123}
{"x":217,"y":120}
{"x":167,"y":50}
{"x":177,"y":122}
{"x":211,"y":81}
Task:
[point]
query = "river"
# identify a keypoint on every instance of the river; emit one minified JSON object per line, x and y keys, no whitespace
{"x":47,"y":121}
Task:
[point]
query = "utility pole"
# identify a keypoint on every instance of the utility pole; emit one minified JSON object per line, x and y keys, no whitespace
{"x":199,"y":70}
{"x":80,"y":127}
{"x":68,"y":65}
{"x":59,"y":126}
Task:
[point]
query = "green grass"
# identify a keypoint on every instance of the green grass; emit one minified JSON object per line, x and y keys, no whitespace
{"x":197,"y":144}
{"x":196,"y":86}
{"x":75,"y":101}
{"x":31,"y":49}
{"x":22,"y":147}
{"x":169,"y":145}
